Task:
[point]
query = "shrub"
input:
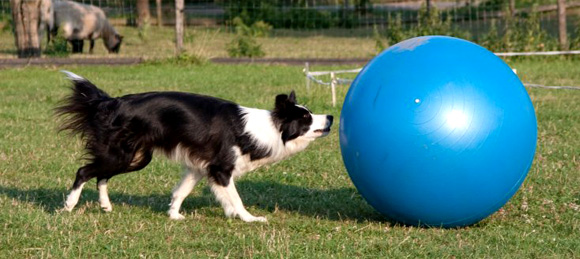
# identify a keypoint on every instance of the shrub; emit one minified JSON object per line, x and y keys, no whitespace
{"x":491,"y":40}
{"x":293,"y":15}
{"x":575,"y":42}
{"x":261,"y":29}
{"x":380,"y":43}
{"x":5,"y":23}
{"x":244,"y":44}
{"x":58,"y":46}
{"x":395,"y":31}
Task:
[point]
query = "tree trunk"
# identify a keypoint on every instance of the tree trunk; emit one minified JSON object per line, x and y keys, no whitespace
{"x":143,"y":14}
{"x":562,"y":25}
{"x":159,"y":14}
{"x":26,"y":19}
{"x":178,"y":26}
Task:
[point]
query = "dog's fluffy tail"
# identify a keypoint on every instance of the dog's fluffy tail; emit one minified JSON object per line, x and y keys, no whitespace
{"x":80,"y":109}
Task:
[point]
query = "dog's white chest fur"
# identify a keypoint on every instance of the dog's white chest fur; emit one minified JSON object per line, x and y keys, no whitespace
{"x":261,"y":128}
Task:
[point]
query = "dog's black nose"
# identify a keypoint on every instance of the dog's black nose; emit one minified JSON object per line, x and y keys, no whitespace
{"x":329,"y":119}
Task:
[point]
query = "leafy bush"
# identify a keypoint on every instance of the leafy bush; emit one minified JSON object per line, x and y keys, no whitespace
{"x":492,"y":40}
{"x":5,"y":23}
{"x":294,"y":15}
{"x":258,"y":29}
{"x":519,"y":34}
{"x":575,"y":42}
{"x":395,"y":32}
{"x":58,"y":46}
{"x":245,"y":44}
{"x":428,"y":23}
{"x":380,"y":43}
{"x":261,"y":29}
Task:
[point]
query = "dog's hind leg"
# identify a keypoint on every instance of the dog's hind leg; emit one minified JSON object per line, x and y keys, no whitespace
{"x":231,"y":202}
{"x":84,"y":174}
{"x":103,"y":194}
{"x":139,"y":160}
{"x":190,"y":178}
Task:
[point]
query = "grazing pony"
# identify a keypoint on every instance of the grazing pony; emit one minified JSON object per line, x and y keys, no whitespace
{"x":80,"y":22}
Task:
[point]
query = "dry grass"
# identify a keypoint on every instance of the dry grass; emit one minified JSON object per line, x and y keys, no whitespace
{"x":159,"y":43}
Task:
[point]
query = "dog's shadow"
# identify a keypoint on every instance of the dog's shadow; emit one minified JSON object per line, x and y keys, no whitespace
{"x":333,"y":204}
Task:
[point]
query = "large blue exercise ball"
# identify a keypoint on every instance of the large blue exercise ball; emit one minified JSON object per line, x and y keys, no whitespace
{"x":437,"y":131}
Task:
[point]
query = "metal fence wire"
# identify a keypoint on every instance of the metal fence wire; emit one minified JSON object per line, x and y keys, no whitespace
{"x":501,"y":25}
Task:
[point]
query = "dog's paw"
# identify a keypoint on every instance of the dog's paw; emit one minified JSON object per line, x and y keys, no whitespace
{"x":107,"y":208}
{"x":254,"y":219}
{"x":67,"y":208}
{"x":62,"y":210}
{"x":176,"y":216}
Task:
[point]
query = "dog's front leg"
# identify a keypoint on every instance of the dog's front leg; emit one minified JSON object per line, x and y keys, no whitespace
{"x":232,"y":203}
{"x":190,"y":178}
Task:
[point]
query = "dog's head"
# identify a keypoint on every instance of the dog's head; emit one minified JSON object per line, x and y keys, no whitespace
{"x":296,"y":121}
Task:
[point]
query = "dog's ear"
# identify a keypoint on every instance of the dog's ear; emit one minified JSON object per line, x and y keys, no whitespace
{"x":292,"y":98}
{"x":281,"y":101}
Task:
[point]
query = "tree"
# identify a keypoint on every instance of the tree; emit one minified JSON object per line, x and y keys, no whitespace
{"x":143,"y":14}
{"x":27,"y":19}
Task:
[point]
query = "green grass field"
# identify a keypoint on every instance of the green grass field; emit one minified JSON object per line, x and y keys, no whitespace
{"x":313,"y":209}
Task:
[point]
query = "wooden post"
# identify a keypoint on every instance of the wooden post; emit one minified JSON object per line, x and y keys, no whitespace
{"x":333,"y":88}
{"x":178,"y":26}
{"x":26,"y":18}
{"x":512,"y":7}
{"x":306,"y":71}
{"x":562,"y":25}
{"x":143,"y":14}
{"x":159,"y":14}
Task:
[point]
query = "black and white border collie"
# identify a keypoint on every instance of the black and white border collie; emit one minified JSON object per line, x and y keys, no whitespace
{"x":213,"y":138}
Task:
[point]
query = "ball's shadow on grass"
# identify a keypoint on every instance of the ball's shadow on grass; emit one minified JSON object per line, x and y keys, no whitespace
{"x":331,"y":204}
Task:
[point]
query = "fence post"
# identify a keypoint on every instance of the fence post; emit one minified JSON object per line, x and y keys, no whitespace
{"x":143,"y":14}
{"x":306,"y":71}
{"x":333,"y":88}
{"x":562,"y":25}
{"x":178,"y":26}
{"x":159,"y":15}
{"x":512,"y":8}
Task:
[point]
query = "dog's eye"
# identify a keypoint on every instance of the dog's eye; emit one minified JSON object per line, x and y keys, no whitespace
{"x":306,"y":115}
